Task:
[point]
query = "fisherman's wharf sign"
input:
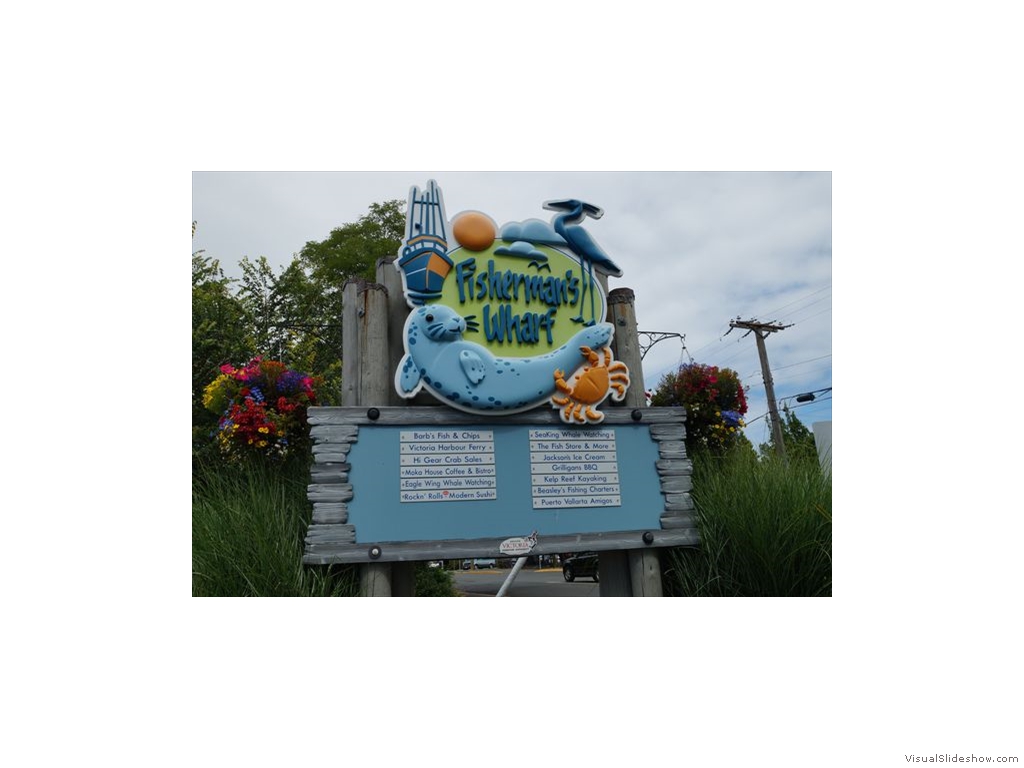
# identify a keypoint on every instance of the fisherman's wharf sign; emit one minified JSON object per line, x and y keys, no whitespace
{"x":507,"y":326}
{"x":507,"y":319}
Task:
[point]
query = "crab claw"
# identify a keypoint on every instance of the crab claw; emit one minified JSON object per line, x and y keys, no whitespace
{"x":591,"y":355}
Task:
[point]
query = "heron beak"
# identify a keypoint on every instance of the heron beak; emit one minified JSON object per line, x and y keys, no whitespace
{"x":560,"y":205}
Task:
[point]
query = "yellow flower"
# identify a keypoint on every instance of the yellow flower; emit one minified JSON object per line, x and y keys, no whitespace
{"x":264,"y":430}
{"x":214,"y":394}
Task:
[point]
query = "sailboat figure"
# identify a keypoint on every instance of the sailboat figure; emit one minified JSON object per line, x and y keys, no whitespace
{"x":582,"y":244}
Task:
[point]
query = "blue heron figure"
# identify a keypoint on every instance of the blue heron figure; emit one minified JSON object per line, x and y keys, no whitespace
{"x":582,"y":244}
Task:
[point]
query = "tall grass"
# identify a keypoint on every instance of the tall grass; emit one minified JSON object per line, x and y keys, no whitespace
{"x":765,"y":526}
{"x":248,"y":527}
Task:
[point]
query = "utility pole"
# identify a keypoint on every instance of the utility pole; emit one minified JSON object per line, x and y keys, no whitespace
{"x":760,"y":330}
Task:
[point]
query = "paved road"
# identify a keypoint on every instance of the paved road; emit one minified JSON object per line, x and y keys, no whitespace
{"x":529,"y":583}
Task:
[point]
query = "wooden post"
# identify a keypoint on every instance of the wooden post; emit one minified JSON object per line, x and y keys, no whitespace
{"x":350,"y":342}
{"x":389,"y":277}
{"x":374,"y":377}
{"x":376,"y":580}
{"x":613,"y":565}
{"x":626,"y":345}
{"x":403,"y":579}
{"x":403,"y":575}
{"x":644,"y":578}
{"x":645,"y":572}
{"x":366,"y":380}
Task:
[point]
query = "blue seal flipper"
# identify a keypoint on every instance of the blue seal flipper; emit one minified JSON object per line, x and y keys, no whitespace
{"x":472,"y":366}
{"x":408,"y":379}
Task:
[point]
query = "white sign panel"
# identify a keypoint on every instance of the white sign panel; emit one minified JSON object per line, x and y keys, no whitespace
{"x":570,"y":469}
{"x":447,"y":465}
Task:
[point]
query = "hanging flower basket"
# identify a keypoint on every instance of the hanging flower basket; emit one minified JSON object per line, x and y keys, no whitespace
{"x":262,"y":408}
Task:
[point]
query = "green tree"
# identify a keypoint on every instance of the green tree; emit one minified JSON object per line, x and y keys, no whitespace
{"x":310,"y":312}
{"x":798,"y":439}
{"x":271,"y":305}
{"x":295,"y":319}
{"x":352,"y":250}
{"x":218,"y":333}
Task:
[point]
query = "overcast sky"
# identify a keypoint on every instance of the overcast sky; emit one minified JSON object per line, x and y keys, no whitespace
{"x":698,"y":249}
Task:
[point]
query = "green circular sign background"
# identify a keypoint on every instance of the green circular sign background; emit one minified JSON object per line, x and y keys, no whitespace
{"x":562,"y":328}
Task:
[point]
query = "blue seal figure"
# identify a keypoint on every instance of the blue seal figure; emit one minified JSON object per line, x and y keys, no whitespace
{"x":467,"y":376}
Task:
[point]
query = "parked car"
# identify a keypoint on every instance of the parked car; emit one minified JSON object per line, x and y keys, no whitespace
{"x":467,"y":564}
{"x":484,"y":562}
{"x":583,"y":564}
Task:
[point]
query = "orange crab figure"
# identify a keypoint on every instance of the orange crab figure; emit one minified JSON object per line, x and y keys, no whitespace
{"x":587,"y":388}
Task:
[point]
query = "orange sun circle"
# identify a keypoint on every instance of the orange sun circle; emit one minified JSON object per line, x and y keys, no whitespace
{"x":474,"y":231}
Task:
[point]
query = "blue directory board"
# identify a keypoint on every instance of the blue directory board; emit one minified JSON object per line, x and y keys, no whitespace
{"x":425,"y":483}
{"x":406,"y":483}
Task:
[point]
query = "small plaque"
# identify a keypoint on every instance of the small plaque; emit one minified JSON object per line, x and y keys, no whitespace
{"x":518,"y":545}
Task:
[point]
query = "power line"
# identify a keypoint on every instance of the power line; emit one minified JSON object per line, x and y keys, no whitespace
{"x":801,"y":309}
{"x":811,"y":304}
{"x":797,"y":301}
{"x":805,"y":319}
{"x":790,"y":407}
{"x":725,"y":331}
{"x":802,"y":362}
{"x":811,"y":376}
{"x":712,"y":343}
{"x":729,"y":359}
{"x":810,"y":369}
{"x":791,"y":365}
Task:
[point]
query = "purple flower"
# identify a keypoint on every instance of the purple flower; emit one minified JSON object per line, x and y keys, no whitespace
{"x":289,"y":382}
